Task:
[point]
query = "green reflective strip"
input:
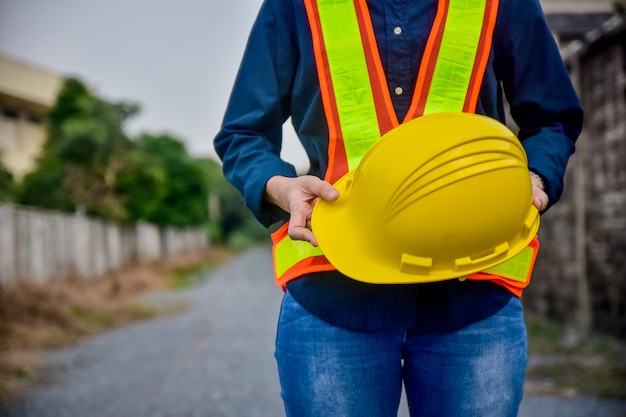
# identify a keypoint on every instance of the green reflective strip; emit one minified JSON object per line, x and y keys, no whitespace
{"x":515,"y":268}
{"x":455,"y":63}
{"x":289,"y":252}
{"x":350,"y":77}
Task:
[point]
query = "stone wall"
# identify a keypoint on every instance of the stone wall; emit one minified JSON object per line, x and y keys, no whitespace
{"x":580,"y":277}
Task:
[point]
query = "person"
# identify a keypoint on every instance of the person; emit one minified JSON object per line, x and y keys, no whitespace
{"x":344,"y":347}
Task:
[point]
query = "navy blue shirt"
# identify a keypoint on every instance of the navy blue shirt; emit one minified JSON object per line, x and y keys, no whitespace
{"x":277,"y":79}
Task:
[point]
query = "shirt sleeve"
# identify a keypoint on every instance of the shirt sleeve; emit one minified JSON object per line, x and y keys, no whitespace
{"x":539,"y":90}
{"x":250,"y":139}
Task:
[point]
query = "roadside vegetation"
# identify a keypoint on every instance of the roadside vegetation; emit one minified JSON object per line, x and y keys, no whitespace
{"x":594,"y":366}
{"x":89,"y":164}
{"x":38,"y":317}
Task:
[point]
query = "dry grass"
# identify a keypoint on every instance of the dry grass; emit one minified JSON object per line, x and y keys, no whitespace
{"x":34,"y":317}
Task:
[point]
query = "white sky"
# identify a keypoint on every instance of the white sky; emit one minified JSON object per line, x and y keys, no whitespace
{"x":176,"y":58}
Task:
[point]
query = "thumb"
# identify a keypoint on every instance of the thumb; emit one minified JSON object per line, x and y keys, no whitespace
{"x":317,"y":187}
{"x":328,"y":192}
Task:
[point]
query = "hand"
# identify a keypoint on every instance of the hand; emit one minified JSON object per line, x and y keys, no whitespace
{"x":540,"y":198}
{"x":297,"y":196}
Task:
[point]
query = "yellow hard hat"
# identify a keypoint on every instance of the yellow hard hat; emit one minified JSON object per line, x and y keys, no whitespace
{"x":439,"y":197}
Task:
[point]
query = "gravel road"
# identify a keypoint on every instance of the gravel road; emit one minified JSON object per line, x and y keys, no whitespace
{"x":213,"y":360}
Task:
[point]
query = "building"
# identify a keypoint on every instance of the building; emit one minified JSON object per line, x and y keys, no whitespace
{"x":573,"y":19}
{"x":576,"y":6}
{"x":580,"y":276}
{"x":26,"y":93}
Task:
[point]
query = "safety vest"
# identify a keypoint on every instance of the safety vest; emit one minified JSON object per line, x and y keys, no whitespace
{"x":358,"y":106}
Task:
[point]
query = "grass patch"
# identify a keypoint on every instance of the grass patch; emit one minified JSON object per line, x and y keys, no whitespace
{"x":596,"y":366}
{"x":188,"y":277}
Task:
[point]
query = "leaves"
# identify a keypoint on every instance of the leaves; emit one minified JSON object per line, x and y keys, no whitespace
{"x":85,"y":150}
{"x":90,"y":164}
{"x":7,"y":183}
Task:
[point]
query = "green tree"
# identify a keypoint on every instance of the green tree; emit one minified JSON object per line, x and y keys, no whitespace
{"x":44,"y":187}
{"x":230,"y":221}
{"x":7,"y":183}
{"x":184,"y":198}
{"x":86,"y":148}
{"x":141,"y":183}
{"x":90,"y":163}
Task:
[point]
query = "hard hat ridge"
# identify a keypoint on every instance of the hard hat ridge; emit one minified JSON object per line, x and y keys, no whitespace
{"x":447,"y":168}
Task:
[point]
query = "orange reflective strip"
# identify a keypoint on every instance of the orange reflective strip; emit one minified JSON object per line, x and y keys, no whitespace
{"x":387,"y":118}
{"x":305,"y":266}
{"x":337,"y":159}
{"x":482,"y":56}
{"x":429,"y":61}
{"x":293,"y":264}
{"x":432,"y":52}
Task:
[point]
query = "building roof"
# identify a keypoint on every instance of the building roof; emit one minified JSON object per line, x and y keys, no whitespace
{"x":26,"y":86}
{"x":572,"y":26}
{"x":577,"y":6}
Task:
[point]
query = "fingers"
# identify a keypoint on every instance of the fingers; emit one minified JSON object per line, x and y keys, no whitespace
{"x":315,"y":187}
{"x":302,"y":233}
{"x":299,"y":227}
{"x":310,"y":189}
{"x":297,"y":196}
{"x":327,"y":191}
{"x":540,"y":198}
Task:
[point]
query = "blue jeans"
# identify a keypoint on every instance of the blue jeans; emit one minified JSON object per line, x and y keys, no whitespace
{"x":331,"y":371}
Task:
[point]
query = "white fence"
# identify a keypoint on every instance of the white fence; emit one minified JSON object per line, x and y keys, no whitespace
{"x":39,"y":245}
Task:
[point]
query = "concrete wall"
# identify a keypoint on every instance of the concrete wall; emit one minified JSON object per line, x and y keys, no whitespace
{"x":40,"y":245}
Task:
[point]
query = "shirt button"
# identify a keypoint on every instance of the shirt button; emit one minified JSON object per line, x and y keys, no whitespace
{"x":397,"y":30}
{"x":399,"y":91}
